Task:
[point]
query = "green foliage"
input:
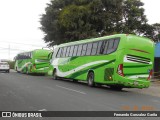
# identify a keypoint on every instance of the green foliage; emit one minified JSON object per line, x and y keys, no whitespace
{"x":133,"y":15}
{"x":11,"y":64}
{"x":70,"y":20}
{"x":156,"y":33}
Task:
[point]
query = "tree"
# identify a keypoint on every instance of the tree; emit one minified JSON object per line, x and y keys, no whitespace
{"x":70,"y":20}
{"x":156,"y":35}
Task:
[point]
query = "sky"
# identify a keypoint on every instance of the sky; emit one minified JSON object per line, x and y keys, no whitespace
{"x":19,"y":24}
{"x":152,"y":9}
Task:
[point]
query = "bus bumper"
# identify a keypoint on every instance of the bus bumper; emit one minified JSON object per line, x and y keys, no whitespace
{"x":133,"y":83}
{"x":39,"y":71}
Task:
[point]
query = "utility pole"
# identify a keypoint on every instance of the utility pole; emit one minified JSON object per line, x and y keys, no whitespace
{"x":9,"y":51}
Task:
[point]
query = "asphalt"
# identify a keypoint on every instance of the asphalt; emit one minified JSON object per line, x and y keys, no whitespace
{"x":153,"y":90}
{"x":20,"y":92}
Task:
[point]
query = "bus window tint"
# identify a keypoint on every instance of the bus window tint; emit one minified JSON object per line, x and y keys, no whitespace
{"x":94,"y":48}
{"x":67,"y":53}
{"x":59,"y":53}
{"x":75,"y":50}
{"x":84,"y":48}
{"x":110,"y":46}
{"x":27,"y":55}
{"x":116,"y":42}
{"x":71,"y":51}
{"x":106,"y":47}
{"x":79,"y":50}
{"x":99,"y":47}
{"x":103,"y":47}
{"x":64,"y":51}
{"x":89,"y":48}
{"x":30,"y":55}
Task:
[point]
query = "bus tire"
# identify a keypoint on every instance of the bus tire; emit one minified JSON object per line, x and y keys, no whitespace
{"x":17,"y":70}
{"x":54,"y":74}
{"x":90,"y":79}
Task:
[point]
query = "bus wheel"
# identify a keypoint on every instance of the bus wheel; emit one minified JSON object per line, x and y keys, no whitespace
{"x":90,"y":79}
{"x":17,"y":70}
{"x":54,"y":74}
{"x":119,"y":88}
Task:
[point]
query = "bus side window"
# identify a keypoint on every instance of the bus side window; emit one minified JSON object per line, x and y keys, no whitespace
{"x":89,"y":48}
{"x":75,"y":50}
{"x":94,"y":48}
{"x":59,"y":53}
{"x":24,"y":56}
{"x":110,"y":46}
{"x":116,"y":42}
{"x":99,"y":47}
{"x":67,"y":53}
{"x":103,"y":46}
{"x":64,"y":51}
{"x":30,"y":55}
{"x":84,"y":48}
{"x":106,"y":47}
{"x":79,"y":50}
{"x":27,"y":55}
{"x":20,"y":56}
{"x":71,"y":51}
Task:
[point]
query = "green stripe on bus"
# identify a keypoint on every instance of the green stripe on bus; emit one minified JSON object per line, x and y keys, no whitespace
{"x":74,"y":75}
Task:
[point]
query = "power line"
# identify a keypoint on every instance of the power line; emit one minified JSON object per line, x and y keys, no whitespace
{"x":21,"y":43}
{"x":10,"y":49}
{"x":12,"y":52}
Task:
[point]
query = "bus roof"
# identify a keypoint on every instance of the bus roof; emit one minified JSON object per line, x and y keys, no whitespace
{"x":97,"y":39}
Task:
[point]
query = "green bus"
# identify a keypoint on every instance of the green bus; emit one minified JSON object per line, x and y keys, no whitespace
{"x":36,"y":61}
{"x":119,"y":61}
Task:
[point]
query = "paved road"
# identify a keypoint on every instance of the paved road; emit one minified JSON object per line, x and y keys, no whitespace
{"x":26,"y":92}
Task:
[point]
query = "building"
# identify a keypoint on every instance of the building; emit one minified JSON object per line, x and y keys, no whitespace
{"x":157,"y":60}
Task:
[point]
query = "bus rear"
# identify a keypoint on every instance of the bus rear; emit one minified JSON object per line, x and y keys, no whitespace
{"x":40,"y":61}
{"x":135,"y":59}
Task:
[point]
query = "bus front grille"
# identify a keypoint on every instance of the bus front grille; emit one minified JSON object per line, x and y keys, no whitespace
{"x":138,"y":59}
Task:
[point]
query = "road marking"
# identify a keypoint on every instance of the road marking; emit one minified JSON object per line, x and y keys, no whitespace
{"x":71,"y":89}
{"x":42,"y":110}
{"x":157,"y":101}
